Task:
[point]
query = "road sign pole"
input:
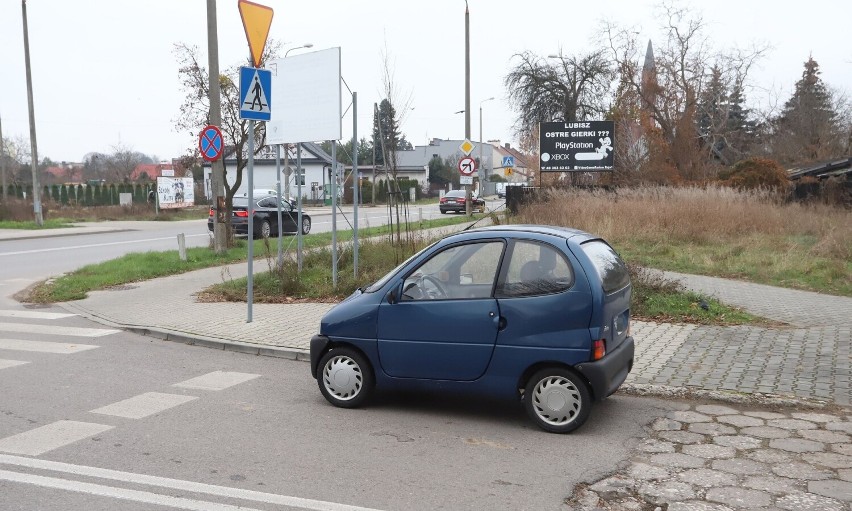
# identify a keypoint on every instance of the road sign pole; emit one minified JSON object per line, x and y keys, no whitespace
{"x":249,"y":206}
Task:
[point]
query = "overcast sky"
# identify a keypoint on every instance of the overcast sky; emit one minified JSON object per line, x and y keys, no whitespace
{"x":104,"y":71}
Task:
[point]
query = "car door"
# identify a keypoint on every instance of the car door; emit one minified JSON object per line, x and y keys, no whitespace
{"x":289,"y":216}
{"x":545,"y":300}
{"x":443,"y":325}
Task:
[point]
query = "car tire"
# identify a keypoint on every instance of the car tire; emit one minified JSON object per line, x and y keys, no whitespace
{"x":443,"y":212}
{"x":345,"y":377}
{"x":557,"y":400}
{"x":265,"y":230}
{"x":306,"y":225}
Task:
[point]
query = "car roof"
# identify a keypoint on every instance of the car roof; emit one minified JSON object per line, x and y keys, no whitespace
{"x":552,"y":230}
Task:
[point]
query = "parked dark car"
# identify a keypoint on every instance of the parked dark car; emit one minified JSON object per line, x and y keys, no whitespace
{"x":265,"y":217}
{"x":541,"y":313}
{"x":454,"y":200}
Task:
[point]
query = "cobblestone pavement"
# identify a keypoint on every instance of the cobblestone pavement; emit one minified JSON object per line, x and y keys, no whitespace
{"x":708,"y":457}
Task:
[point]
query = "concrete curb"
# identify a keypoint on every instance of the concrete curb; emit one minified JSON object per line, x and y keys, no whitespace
{"x":194,"y":339}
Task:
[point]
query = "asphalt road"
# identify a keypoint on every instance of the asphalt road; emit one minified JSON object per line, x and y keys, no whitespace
{"x":258,"y":433}
{"x":101,"y":419}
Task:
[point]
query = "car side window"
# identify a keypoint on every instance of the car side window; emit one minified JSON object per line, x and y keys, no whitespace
{"x":460,"y":272}
{"x":535,"y":269}
{"x":267,"y":203}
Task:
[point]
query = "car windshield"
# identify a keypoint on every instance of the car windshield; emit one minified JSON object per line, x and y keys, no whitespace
{"x":372,"y":288}
{"x":455,"y":193}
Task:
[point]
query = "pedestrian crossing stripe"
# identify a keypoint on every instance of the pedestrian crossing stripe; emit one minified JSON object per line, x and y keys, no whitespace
{"x":255,"y":89}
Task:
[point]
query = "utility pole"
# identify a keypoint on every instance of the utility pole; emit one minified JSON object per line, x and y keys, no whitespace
{"x":217,"y":177}
{"x":468,"y":196}
{"x":33,"y":146}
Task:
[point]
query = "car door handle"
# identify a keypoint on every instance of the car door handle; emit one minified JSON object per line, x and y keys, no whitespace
{"x":501,"y":324}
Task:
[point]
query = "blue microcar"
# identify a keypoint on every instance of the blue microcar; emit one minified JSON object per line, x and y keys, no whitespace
{"x":534,"y":311}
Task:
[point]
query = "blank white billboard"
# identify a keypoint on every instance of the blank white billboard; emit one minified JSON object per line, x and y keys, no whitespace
{"x":306,"y":104}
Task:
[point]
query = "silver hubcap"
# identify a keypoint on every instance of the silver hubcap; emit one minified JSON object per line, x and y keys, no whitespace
{"x":342,"y":378}
{"x":264,"y":230}
{"x":556,"y":400}
{"x":306,"y":226}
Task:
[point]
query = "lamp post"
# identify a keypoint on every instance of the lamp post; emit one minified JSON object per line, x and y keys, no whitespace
{"x":481,"y":162}
{"x":306,"y":45}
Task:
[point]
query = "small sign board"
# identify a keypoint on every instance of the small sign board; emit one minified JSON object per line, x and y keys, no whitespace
{"x":255,"y":94}
{"x":256,"y":21}
{"x":467,"y":147}
{"x":465,"y":180}
{"x":467,"y":166}
{"x":210,"y":143}
{"x":175,"y":192}
{"x":576,"y":146}
{"x":508,"y":161}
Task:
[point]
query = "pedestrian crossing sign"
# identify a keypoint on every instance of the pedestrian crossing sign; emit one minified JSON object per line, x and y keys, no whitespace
{"x":255,"y":94}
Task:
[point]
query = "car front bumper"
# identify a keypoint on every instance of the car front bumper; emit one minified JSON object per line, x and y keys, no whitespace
{"x":318,"y":345}
{"x":607,"y":374}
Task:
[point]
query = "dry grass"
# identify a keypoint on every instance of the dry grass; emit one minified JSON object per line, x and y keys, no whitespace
{"x":714,"y":231}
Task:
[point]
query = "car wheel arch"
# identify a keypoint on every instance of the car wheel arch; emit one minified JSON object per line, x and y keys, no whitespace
{"x":332,"y":345}
{"x":538,"y":366}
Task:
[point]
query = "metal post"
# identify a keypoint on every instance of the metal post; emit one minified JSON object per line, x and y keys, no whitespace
{"x":334,"y":214}
{"x":2,"y":163}
{"x":299,"y":207}
{"x":467,"y":203}
{"x":278,"y":192}
{"x":217,"y":173}
{"x":249,"y":206}
{"x":356,"y":180}
{"x":481,"y":163}
{"x":33,"y":146}
{"x":287,"y":171}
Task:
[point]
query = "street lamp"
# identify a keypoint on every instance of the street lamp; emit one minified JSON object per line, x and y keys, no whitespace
{"x":481,"y":162}
{"x":306,"y":45}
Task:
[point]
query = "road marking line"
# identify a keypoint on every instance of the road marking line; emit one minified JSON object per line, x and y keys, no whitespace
{"x":34,"y":314}
{"x":217,"y":380}
{"x":143,"y":405}
{"x":177,"y":484}
{"x":56,"y":330}
{"x":64,"y":348}
{"x":118,"y":493}
{"x":37,"y":251}
{"x":52,"y":436}
{"x":11,"y":363}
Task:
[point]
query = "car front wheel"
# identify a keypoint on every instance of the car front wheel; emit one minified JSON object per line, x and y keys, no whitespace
{"x":306,"y":225}
{"x":345,"y":378}
{"x":557,"y":400}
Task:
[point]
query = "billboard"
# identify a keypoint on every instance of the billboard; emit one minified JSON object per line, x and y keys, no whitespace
{"x":576,"y":146}
{"x":307,"y":95}
{"x":175,"y":192}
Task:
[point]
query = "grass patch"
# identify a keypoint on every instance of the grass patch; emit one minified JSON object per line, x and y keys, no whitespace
{"x":714,"y":231}
{"x":31,"y":225}
{"x":139,"y":266}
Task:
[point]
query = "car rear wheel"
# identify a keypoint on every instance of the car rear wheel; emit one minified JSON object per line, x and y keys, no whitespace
{"x":265,"y":230}
{"x":306,"y":225}
{"x":345,"y":378}
{"x":443,"y":211}
{"x":557,"y":400}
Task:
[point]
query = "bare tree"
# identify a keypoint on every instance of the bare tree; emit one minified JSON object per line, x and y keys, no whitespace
{"x":122,"y":162}
{"x":671,"y":98}
{"x":568,"y":89}
{"x":194,"y":112}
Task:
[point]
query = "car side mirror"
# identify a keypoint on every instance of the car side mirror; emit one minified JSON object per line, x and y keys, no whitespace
{"x":391,"y":297}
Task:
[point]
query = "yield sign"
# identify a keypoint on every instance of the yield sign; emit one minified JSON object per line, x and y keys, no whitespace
{"x":467,"y":166}
{"x":210,"y":143}
{"x":256,"y":21}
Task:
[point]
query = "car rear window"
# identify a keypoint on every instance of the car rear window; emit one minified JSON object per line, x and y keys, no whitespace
{"x":611,"y":269}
